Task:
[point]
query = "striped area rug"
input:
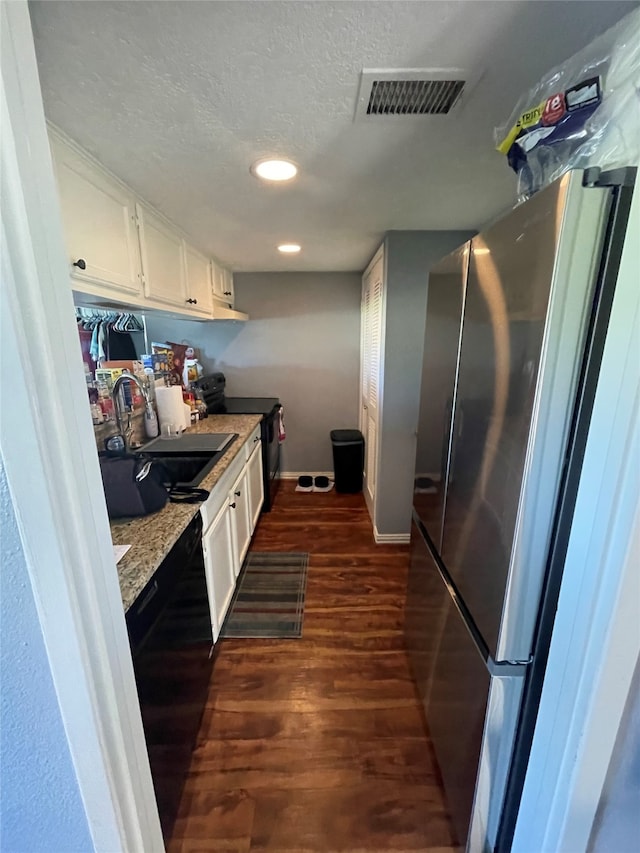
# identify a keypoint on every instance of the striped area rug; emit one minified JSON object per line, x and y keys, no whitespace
{"x":269,"y":600}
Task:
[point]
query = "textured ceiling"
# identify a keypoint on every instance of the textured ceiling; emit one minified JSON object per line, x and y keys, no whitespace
{"x":180,"y":98}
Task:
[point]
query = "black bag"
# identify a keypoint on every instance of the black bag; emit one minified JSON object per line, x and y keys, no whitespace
{"x":132,"y":485}
{"x":135,"y":485}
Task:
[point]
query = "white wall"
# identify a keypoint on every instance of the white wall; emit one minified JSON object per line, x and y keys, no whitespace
{"x":301,"y":344}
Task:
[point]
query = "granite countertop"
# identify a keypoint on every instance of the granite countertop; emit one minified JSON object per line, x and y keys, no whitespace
{"x":152,"y":536}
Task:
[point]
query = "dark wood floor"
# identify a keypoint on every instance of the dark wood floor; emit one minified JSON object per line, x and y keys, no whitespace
{"x":318,"y":744}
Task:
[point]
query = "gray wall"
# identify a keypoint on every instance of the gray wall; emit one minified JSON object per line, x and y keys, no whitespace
{"x":408,"y":256}
{"x":616,"y":828}
{"x":40,"y":807}
{"x":301,"y":344}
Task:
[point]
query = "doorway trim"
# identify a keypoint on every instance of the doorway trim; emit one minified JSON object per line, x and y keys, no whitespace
{"x":48,"y":450}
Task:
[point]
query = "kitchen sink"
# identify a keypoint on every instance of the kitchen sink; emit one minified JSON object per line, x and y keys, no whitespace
{"x":186,"y":470}
{"x":189,"y":458}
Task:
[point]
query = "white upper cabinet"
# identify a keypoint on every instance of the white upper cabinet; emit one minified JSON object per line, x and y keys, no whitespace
{"x":163,"y":267}
{"x":198,"y":281}
{"x":121,"y":250}
{"x":227,"y":293}
{"x":99,"y":221}
{"x":222,"y":284}
{"x":217,"y":281}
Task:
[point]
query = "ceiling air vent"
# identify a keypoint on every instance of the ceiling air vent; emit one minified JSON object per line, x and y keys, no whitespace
{"x":413,"y":97}
{"x":412,"y":92}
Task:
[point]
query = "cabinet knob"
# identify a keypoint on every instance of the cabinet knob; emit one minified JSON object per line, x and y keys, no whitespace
{"x":257,"y":438}
{"x":192,"y":301}
{"x":233,"y":505}
{"x":80,"y":263}
{"x":226,"y":293}
{"x":237,"y":494}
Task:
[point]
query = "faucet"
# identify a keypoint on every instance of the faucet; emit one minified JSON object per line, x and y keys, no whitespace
{"x":118,"y":401}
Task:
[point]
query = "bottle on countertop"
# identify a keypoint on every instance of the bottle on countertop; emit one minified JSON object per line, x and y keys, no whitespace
{"x":201,"y":406}
{"x":151,"y":427}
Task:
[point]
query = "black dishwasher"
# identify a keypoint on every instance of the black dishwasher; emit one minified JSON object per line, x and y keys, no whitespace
{"x":172,"y":664}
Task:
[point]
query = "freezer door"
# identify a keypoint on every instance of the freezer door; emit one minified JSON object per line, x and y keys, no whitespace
{"x":529,"y":290}
{"x":452,"y":679}
{"x":426,"y":610}
{"x":445,"y":305}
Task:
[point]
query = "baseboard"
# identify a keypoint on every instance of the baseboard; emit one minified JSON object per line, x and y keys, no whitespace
{"x":293,"y":475}
{"x":391,"y":538}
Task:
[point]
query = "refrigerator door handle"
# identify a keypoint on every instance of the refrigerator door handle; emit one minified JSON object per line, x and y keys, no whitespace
{"x":501,"y":668}
{"x":495,"y":668}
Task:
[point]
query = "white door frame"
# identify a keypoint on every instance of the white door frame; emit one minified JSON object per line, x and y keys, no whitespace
{"x":48,"y":450}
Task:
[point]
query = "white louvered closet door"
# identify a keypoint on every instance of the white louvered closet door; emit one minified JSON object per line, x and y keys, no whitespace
{"x":371,"y":364}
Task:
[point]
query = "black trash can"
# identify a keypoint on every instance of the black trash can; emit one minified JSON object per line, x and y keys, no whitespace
{"x":348,"y":459}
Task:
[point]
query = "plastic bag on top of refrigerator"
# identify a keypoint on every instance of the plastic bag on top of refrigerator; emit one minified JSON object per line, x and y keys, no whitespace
{"x":585,"y":112}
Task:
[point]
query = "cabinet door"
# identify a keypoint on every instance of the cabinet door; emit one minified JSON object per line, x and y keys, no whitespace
{"x":256,"y":485}
{"x":227,"y":293}
{"x":217,"y":281}
{"x":219,"y":562}
{"x":240,"y":517}
{"x":99,"y":221}
{"x":162,"y":260}
{"x":372,"y":313}
{"x":198,"y":284}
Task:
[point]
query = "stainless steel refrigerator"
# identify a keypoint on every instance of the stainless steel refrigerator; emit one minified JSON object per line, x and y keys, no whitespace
{"x":516,"y":322}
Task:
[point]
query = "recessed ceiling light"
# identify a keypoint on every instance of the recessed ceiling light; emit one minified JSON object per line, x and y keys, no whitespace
{"x":275,"y":170}
{"x":289,"y":248}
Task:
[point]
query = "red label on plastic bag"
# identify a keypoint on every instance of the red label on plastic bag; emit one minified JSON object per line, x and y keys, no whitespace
{"x":554,"y":109}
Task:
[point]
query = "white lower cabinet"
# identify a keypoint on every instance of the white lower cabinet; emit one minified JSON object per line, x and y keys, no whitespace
{"x":239,"y":505}
{"x":255,"y":484}
{"x":219,"y":562}
{"x":229,"y":517}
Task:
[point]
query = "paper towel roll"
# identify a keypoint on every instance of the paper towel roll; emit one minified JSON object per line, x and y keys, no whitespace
{"x":170,"y":406}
